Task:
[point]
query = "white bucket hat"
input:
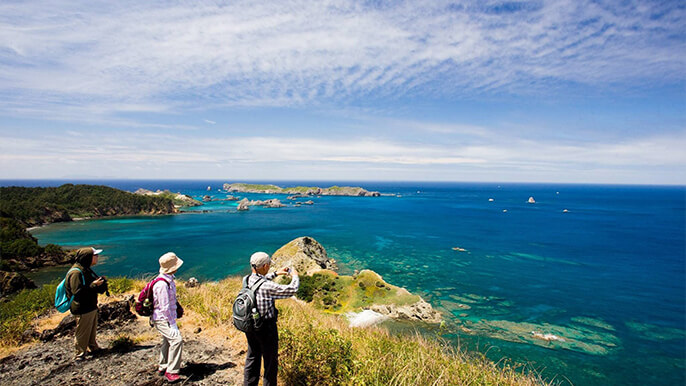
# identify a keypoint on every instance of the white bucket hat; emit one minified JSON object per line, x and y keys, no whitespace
{"x":169,"y":262}
{"x":96,"y":251}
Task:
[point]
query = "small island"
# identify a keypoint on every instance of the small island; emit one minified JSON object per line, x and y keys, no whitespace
{"x":354,"y":191}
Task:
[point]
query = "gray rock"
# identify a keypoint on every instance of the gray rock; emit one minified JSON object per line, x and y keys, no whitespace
{"x":192,"y":282}
{"x":11,"y":282}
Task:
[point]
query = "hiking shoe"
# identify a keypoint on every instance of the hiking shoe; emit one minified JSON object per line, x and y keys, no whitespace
{"x":161,"y":372}
{"x":80,"y":358}
{"x":172,"y":378}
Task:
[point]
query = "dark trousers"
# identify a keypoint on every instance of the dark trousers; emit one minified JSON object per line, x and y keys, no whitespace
{"x":262,"y":344}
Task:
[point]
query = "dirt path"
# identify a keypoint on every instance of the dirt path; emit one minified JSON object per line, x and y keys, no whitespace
{"x":207,"y":360}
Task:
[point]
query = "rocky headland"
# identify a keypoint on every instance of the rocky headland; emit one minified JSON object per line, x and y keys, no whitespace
{"x":300,"y":191}
{"x":365,"y":290}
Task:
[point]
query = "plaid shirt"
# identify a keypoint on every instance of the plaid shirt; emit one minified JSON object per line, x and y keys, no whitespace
{"x":269,"y":291}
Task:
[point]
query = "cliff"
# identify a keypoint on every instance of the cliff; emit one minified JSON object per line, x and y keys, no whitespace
{"x":300,"y":190}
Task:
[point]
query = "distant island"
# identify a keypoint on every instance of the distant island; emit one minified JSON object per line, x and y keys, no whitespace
{"x":355,"y":191}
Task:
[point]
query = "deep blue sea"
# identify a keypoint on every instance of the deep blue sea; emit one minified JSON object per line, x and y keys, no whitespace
{"x":593,"y":295}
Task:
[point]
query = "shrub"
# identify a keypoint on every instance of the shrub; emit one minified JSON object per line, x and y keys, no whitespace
{"x":21,"y":248}
{"x":123,"y":343}
{"x":314,"y":356}
{"x":54,"y":250}
{"x":119,"y":285}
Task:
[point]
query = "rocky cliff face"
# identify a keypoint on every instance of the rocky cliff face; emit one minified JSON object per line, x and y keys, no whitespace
{"x":305,"y":254}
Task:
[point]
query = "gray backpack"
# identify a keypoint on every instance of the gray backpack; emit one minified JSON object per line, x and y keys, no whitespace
{"x":246,"y":316}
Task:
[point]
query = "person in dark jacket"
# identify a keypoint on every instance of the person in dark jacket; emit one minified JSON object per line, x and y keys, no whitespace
{"x":85,"y":285}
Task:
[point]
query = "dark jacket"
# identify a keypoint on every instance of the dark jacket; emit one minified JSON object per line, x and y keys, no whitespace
{"x":85,"y":295}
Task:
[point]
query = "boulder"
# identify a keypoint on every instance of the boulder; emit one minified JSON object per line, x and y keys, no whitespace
{"x":305,"y":254}
{"x":11,"y":282}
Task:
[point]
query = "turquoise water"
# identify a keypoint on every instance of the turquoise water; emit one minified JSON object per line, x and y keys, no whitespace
{"x":607,"y":276}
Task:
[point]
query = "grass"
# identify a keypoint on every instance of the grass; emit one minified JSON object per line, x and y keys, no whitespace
{"x":17,"y":313}
{"x":319,"y":348}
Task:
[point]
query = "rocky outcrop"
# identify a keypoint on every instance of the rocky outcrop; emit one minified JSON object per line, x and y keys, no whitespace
{"x":305,"y":254}
{"x":271,"y":203}
{"x":177,"y":198}
{"x":11,"y":282}
{"x":420,"y":311}
{"x":243,"y":204}
{"x":300,"y":191}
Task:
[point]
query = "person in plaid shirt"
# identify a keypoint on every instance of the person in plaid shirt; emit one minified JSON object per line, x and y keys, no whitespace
{"x":265,"y":342}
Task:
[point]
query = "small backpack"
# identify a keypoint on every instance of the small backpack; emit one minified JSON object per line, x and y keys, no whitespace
{"x":62,"y":301}
{"x":144,"y":304}
{"x":246,"y":317}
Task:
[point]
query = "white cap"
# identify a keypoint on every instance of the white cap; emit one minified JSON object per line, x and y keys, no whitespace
{"x":96,"y":251}
{"x":259,"y":259}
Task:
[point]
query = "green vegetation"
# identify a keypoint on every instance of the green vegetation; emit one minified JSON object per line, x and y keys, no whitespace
{"x":17,"y":313}
{"x":242,"y":186}
{"x":119,"y":285}
{"x":17,"y":243}
{"x":36,"y":206}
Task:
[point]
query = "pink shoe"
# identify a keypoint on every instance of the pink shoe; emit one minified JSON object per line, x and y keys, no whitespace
{"x":172,"y":378}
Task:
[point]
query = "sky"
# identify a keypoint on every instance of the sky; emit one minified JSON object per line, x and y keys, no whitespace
{"x":518,"y":91}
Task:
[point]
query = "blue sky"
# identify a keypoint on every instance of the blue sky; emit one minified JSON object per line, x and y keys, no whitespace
{"x":526,"y":91}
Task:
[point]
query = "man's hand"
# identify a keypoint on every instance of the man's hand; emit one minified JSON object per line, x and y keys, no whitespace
{"x":293,"y":271}
{"x":98,"y":282}
{"x":283,"y":271}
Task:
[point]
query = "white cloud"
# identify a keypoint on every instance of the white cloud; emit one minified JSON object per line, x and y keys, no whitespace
{"x":170,"y":156}
{"x":153,"y":56}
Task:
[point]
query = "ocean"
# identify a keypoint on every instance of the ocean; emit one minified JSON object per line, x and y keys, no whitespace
{"x":587,"y":285}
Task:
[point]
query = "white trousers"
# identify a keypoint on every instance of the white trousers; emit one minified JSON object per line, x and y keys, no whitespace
{"x":172,"y":345}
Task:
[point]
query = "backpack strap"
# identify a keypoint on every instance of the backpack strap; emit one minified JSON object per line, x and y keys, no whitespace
{"x":83,"y":279}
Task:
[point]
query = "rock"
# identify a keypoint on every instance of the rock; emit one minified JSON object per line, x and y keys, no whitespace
{"x":231,"y":198}
{"x":207,"y":198}
{"x":419,"y":311}
{"x":11,"y":282}
{"x":192,"y":282}
{"x":243,"y":204}
{"x":29,"y":335}
{"x":305,"y":254}
{"x":310,"y":202}
{"x":197,"y":330}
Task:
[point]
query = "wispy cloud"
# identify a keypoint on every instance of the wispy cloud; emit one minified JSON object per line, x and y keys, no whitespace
{"x":148,"y":156}
{"x":153,"y":56}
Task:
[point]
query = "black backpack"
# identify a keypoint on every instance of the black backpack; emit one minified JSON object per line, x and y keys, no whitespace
{"x":246,"y":316}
